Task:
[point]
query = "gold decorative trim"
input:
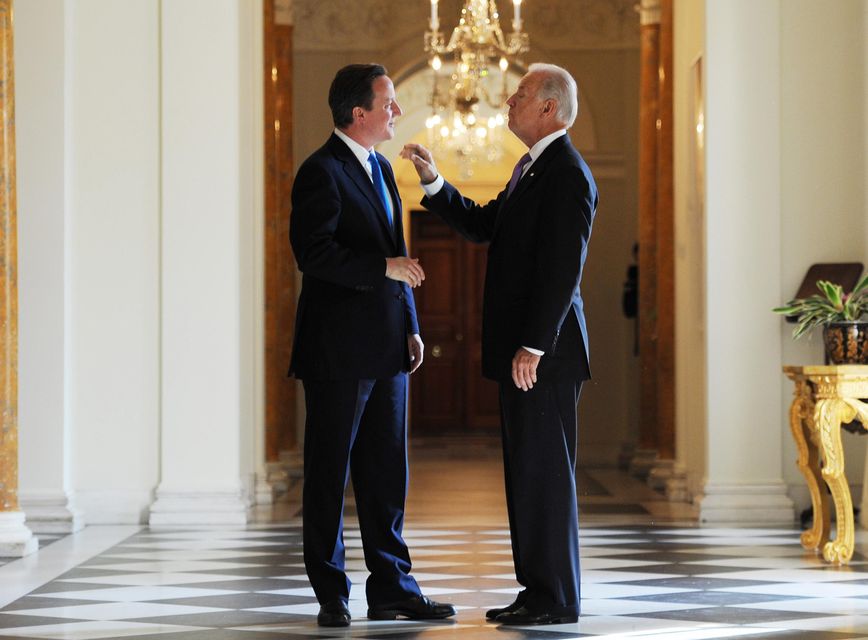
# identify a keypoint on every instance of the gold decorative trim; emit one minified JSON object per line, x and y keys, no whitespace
{"x":824,"y":399}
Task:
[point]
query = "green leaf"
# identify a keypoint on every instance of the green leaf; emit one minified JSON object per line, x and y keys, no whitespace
{"x":863,"y":283}
{"x":833,"y":292}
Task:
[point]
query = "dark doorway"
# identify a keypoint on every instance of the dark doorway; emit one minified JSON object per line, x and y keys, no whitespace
{"x":448,"y":393}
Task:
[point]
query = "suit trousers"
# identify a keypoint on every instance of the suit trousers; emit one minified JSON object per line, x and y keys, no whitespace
{"x":356,"y":428}
{"x":539,"y":459}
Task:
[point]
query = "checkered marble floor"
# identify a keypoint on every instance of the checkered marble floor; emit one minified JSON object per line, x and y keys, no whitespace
{"x":638,"y":581}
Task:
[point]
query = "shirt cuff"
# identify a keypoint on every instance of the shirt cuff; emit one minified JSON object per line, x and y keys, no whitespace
{"x":432,"y":188}
{"x":535,"y":352}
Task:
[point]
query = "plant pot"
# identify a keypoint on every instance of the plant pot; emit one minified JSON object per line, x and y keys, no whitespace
{"x":846,"y":342}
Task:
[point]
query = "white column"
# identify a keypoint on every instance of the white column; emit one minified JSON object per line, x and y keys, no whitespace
{"x":44,"y":461}
{"x":743,"y":197}
{"x":690,"y":391}
{"x":205,"y":210}
{"x":253,"y":252}
{"x":112,"y":256}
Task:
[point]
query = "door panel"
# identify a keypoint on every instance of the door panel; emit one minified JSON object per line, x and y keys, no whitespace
{"x":448,"y":392}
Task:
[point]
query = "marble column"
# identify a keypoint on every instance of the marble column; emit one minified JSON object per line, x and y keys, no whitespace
{"x":15,"y":538}
{"x":664,"y":273}
{"x":280,"y":270}
{"x":645,"y":454}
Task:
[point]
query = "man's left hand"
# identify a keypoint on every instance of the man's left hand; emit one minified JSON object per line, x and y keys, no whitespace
{"x":524,"y":364}
{"x":417,"y":351}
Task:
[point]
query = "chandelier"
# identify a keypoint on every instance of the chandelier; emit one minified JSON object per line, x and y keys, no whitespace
{"x":467,"y":103}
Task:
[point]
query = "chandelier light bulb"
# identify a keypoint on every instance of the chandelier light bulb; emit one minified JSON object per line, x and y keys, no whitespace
{"x":467,"y":118}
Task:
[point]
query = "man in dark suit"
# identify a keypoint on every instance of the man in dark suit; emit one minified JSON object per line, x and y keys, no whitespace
{"x":534,"y":340}
{"x":356,"y":338}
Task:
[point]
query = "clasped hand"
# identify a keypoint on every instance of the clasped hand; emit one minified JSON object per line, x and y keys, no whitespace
{"x":405,"y":269}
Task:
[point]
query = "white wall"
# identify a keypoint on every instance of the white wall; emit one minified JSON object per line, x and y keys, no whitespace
{"x":823,"y":175}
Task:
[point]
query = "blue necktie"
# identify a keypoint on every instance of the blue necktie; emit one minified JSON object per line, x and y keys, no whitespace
{"x":380,"y":185}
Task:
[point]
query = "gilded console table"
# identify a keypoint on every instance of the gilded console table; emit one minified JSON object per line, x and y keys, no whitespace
{"x":825,"y":398}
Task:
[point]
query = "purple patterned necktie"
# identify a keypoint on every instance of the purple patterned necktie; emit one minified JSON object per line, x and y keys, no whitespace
{"x":516,"y":173}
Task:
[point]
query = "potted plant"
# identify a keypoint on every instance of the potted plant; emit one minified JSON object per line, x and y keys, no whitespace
{"x":845,"y":333}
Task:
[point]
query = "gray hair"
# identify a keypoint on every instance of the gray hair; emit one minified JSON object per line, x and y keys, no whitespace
{"x":558,"y":85}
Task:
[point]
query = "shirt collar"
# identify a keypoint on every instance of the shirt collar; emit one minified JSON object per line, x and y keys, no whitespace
{"x":358,"y":150}
{"x":537,"y":149}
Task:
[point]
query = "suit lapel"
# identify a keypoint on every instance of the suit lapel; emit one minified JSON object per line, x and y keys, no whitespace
{"x":537,"y":168}
{"x":357,"y":174}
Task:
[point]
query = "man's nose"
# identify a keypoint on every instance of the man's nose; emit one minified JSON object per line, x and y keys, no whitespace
{"x":397,"y":109}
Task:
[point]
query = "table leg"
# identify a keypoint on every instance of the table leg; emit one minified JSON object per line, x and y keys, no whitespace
{"x":801,"y":416}
{"x":828,"y":416}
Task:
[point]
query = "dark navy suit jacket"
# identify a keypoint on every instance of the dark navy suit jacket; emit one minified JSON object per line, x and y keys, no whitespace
{"x":352,"y":322}
{"x":538,"y":245}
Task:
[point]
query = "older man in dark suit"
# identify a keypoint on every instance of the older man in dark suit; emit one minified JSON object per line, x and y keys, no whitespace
{"x":356,"y":338}
{"x":534,"y":340}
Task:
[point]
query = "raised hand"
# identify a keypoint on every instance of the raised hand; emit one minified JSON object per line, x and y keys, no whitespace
{"x":422,"y":160}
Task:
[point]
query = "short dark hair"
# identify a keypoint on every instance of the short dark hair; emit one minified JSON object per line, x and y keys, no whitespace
{"x":353,"y":87}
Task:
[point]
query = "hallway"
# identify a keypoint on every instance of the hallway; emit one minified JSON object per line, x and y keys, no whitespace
{"x":648,"y":571}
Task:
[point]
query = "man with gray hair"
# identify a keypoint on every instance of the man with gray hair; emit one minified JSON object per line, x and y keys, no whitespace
{"x":534,"y":339}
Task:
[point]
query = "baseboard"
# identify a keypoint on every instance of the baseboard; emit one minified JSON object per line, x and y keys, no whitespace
{"x":113,"y":507}
{"x":760,"y":503}
{"x":178,"y":508}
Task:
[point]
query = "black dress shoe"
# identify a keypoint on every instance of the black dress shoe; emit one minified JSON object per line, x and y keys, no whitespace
{"x":333,"y":614}
{"x":523,"y":615}
{"x":415,"y":608}
{"x":492,"y":614}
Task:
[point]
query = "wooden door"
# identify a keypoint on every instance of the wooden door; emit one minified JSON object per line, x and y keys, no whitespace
{"x":448,"y":393}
